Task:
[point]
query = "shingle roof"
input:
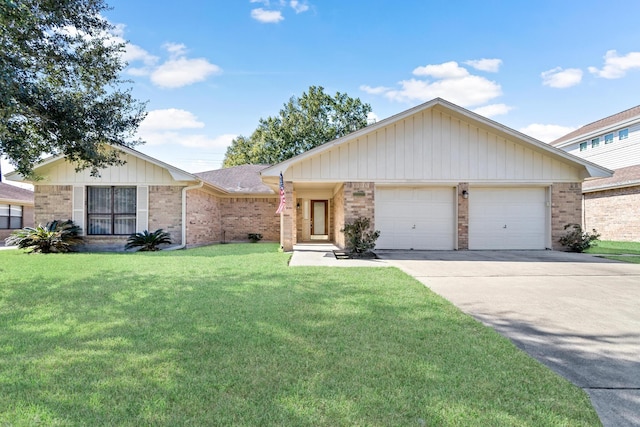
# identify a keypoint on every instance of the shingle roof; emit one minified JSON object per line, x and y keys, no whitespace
{"x":238,"y":179}
{"x":11,"y":192}
{"x":622,"y":177}
{"x":599,"y":124}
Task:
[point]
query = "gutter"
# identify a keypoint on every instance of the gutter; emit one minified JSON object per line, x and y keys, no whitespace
{"x":184,"y":215}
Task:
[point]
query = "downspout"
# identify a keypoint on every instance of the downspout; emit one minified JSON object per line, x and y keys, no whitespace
{"x":184,"y":214}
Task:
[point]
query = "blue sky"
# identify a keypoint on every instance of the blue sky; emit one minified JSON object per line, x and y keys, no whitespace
{"x":210,"y":69}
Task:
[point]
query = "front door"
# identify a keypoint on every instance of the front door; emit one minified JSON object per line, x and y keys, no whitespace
{"x":319,"y":218}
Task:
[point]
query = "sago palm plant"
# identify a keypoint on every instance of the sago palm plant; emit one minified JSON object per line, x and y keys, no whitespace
{"x":148,"y":241}
{"x":55,"y":236}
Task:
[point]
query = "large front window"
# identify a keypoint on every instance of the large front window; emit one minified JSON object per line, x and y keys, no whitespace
{"x":10,"y":217}
{"x":111,"y":210}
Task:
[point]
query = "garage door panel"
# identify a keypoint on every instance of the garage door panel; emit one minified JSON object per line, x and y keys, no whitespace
{"x":415,"y":218}
{"x":513,"y":218}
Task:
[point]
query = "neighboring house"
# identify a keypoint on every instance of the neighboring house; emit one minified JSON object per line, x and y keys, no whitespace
{"x":147,"y":194}
{"x":610,"y":204}
{"x":436,"y":176}
{"x":16,"y":209}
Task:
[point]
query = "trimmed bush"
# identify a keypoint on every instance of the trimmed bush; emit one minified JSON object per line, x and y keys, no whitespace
{"x":359,"y":237}
{"x":577,"y":240}
{"x":148,"y":242}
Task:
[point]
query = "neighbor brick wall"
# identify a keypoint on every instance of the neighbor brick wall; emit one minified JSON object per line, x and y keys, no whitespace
{"x":615,"y":214}
{"x":566,"y":208}
{"x":203,"y":218}
{"x":165,"y":210}
{"x":241,"y":216}
{"x":463,"y":217}
{"x":52,"y":202}
{"x":337,"y":206}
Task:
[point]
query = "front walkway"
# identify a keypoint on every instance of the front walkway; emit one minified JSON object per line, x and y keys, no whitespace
{"x":321,"y":254}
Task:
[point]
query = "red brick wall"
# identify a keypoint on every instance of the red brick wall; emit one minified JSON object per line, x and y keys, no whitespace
{"x":357,"y":204}
{"x":203,"y":218}
{"x":463,"y":217}
{"x":241,"y":216}
{"x":52,"y":202}
{"x":566,"y":208}
{"x":165,"y":210}
{"x":614,"y":213}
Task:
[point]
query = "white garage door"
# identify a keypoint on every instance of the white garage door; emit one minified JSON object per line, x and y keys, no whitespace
{"x":415,"y":218}
{"x":507,"y":218}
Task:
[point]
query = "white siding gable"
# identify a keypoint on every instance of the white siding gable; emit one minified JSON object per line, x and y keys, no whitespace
{"x":434,"y":146}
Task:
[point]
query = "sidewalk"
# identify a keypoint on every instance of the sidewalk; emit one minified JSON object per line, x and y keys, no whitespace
{"x":321,"y":254}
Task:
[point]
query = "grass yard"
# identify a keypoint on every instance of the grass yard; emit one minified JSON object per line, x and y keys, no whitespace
{"x":611,"y":249}
{"x":230,"y":335}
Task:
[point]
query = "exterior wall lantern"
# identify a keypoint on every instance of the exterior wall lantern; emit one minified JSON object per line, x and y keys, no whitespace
{"x":465,"y":194}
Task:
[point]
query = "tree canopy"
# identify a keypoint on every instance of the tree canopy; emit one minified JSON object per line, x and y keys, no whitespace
{"x":302,"y":124}
{"x":60,"y":89}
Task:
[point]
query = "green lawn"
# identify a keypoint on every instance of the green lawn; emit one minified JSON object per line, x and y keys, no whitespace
{"x":612,"y":248}
{"x":229,"y":335}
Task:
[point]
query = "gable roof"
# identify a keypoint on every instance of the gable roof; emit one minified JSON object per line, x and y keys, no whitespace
{"x":623,"y":177}
{"x":238,"y":179}
{"x":11,"y":193}
{"x":599,"y":126}
{"x":592,"y":169}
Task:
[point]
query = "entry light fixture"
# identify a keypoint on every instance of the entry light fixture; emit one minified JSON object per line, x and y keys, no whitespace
{"x":465,"y":194}
{"x":298,"y":205}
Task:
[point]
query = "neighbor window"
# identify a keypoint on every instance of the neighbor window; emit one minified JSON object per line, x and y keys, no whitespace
{"x":111,"y":210}
{"x":595,"y":142}
{"x":583,"y":146}
{"x":623,"y":134}
{"x":608,"y":138}
{"x":10,"y":217}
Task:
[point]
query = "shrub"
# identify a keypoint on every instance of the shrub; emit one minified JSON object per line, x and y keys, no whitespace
{"x":359,"y":237}
{"x":577,"y":240}
{"x":147,"y":241}
{"x":55,"y":236}
{"x":255,"y":237}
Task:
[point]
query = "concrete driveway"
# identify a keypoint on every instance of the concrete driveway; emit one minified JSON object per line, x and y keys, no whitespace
{"x":577,"y":314}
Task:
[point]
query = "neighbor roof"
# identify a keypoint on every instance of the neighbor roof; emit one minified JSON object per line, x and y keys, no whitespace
{"x":12,"y":193}
{"x":610,"y":121}
{"x":237,"y":179}
{"x":623,"y":177}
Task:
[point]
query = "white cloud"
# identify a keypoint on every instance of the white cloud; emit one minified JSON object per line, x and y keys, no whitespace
{"x":560,"y":78}
{"x":298,"y":7}
{"x":372,"y":118}
{"x":493,"y":110}
{"x":171,"y":118}
{"x":447,"y":70}
{"x":489,"y":65}
{"x":465,"y":91}
{"x":616,"y":66}
{"x":179,"y":71}
{"x":546,"y":133}
{"x":378,"y":90}
{"x":267,"y":16}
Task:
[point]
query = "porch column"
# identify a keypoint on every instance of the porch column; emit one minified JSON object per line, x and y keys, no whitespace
{"x":288,"y":227}
{"x":463,"y":216}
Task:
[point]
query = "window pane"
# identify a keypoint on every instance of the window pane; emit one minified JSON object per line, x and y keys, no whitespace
{"x":15,"y":222}
{"x":4,"y":210}
{"x":124,"y":225}
{"x":623,"y":134}
{"x":99,"y":224}
{"x":124,"y":200}
{"x":583,"y":146}
{"x":16,"y":210}
{"x":608,"y":138}
{"x":99,"y":200}
{"x":4,"y":222}
{"x":595,"y":142}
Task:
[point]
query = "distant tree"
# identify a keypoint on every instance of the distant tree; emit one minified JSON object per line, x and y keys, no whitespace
{"x":60,"y":86}
{"x":302,"y":124}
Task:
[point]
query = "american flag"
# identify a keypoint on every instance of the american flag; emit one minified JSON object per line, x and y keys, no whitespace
{"x":282,"y":199}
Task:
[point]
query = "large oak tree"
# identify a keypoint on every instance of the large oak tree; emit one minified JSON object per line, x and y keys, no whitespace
{"x":303,"y":123}
{"x":60,"y":85}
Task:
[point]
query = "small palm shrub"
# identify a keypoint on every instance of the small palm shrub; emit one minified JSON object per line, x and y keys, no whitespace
{"x":55,"y":237}
{"x":255,"y":237}
{"x":359,"y":238}
{"x":147,"y":241}
{"x":577,"y":240}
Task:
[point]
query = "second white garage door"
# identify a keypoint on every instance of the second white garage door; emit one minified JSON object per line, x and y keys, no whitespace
{"x":415,"y":218}
{"x":507,"y":218}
